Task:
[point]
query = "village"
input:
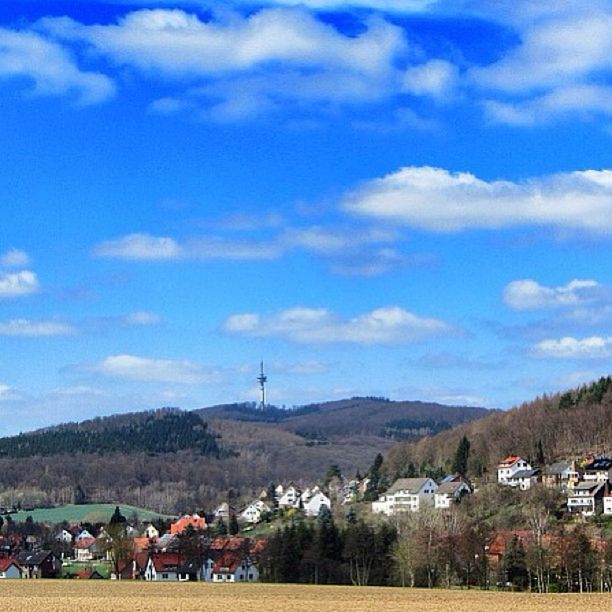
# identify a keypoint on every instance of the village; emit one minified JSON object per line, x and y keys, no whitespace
{"x":230,"y":545}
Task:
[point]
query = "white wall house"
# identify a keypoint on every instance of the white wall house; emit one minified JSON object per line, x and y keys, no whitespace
{"x":290,"y":498}
{"x":254,"y":512}
{"x":607,"y":502}
{"x":450,"y":493}
{"x":406,"y":495}
{"x":586,"y":498}
{"x":313,"y":506}
{"x":509,"y":467}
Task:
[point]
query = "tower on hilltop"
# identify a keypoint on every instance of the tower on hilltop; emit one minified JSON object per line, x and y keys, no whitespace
{"x":262,"y":379}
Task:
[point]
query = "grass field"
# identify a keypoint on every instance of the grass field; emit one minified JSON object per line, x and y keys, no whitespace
{"x":83,"y":513}
{"x":107,"y":596}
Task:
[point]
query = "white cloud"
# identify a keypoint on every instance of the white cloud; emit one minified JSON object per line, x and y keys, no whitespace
{"x":14,"y":258}
{"x":594,"y":347}
{"x":32,"y":329}
{"x":231,"y":67}
{"x":143,"y":369}
{"x":388,"y":325}
{"x":50,"y":67}
{"x":140,"y":247}
{"x":435,"y":199}
{"x":20,"y":283}
{"x":528,"y":294}
{"x":7,"y":393}
{"x":142,"y":318}
{"x":435,"y":78}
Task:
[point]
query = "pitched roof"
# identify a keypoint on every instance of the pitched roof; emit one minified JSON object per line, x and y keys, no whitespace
{"x":601,"y":463}
{"x":412,"y":485}
{"x":525,"y":474}
{"x":509,"y":461}
{"x":85,"y":543}
{"x":33,"y":558}
{"x":7,"y":562}
{"x":451,"y":487}
{"x":556,"y":469}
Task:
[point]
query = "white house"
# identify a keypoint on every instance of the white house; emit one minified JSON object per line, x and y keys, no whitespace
{"x":64,"y":536}
{"x":254,"y":512}
{"x":150,"y":532}
{"x":599,"y":470}
{"x":507,"y":468}
{"x":406,"y":495}
{"x":586,"y":498}
{"x":313,"y":506}
{"x":84,"y":535}
{"x":450,"y":493}
{"x":164,"y":567}
{"x":524,"y":479}
{"x":290,"y":498}
{"x":607,"y":502}
{"x":9,"y":569}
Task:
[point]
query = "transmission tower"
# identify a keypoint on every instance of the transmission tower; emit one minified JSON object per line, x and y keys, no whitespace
{"x":262,"y":379}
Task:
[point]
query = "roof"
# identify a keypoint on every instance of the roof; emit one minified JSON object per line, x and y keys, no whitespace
{"x":85,"y":543}
{"x":6,"y":563}
{"x":509,"y":461}
{"x":588,"y":486}
{"x":164,"y":562}
{"x":195,"y":521}
{"x":525,"y":474}
{"x":33,"y":558}
{"x":601,"y":463}
{"x":450,"y":487}
{"x":413,"y":485}
{"x":556,"y":469}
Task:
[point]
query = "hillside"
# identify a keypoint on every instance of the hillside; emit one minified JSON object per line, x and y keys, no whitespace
{"x":556,"y":427}
{"x":168,"y":470}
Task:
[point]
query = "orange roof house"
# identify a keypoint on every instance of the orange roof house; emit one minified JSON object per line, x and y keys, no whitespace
{"x":195,"y":520}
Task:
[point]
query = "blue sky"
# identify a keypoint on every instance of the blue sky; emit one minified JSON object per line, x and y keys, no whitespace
{"x":401,"y":198}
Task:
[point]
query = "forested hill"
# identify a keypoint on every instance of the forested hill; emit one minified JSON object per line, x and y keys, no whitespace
{"x":371,"y":416}
{"x":551,"y":428}
{"x":156,"y":433}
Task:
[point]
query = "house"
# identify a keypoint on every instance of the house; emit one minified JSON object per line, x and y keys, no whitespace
{"x":41,"y":564}
{"x":599,"y":470}
{"x":150,"y":532}
{"x":9,"y":568}
{"x":290,"y":498}
{"x":254,"y":512}
{"x":223,"y":512}
{"x":524,"y":479}
{"x":450,"y":492}
{"x":82,"y":535}
{"x":406,"y":494}
{"x":194,"y":520}
{"x":85,"y":549}
{"x":507,"y":468}
{"x":560,"y":475}
{"x":64,"y":536}
{"x":607,"y":501}
{"x":235,"y":559}
{"x":88,"y":575}
{"x":313,"y":506}
{"x":586,"y":498}
{"x":165,"y":566}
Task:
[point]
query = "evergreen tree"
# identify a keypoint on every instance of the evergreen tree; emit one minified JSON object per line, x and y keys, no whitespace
{"x":234,"y":528}
{"x":514,"y":563}
{"x":462,"y":455}
{"x":117,"y":517}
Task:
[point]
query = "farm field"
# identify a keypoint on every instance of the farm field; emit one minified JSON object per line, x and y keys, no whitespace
{"x":98,"y":596}
{"x":83,"y":513}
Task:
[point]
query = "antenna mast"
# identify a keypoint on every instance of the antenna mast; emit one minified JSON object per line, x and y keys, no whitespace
{"x":262,"y":379}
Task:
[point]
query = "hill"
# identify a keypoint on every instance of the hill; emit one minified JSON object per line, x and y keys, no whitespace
{"x":83,"y":513}
{"x":173,"y":461}
{"x":555,"y":427}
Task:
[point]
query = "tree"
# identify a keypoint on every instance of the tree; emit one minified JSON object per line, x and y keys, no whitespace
{"x":117,"y":517}
{"x":462,"y":455}
{"x":118,"y":544}
{"x":233,"y":527}
{"x":514,"y":563}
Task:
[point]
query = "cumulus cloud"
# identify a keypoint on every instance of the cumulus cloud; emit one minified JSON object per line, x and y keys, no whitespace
{"x":435,"y":78}
{"x":561,"y":66}
{"x":32,"y":329}
{"x":233,"y":66}
{"x":437,"y":200}
{"x":14,"y":258}
{"x":594,"y":347}
{"x":388,"y":325}
{"x":132,"y":367}
{"x":528,"y":294}
{"x":17,"y":284}
{"x":51,"y":69}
